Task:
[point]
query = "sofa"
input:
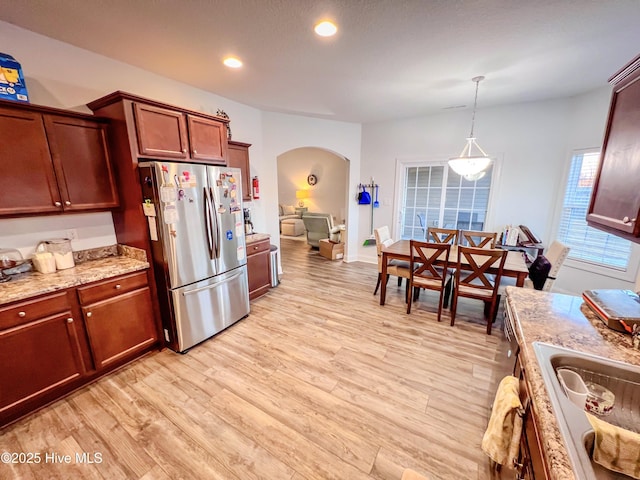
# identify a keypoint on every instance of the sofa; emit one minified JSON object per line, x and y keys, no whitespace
{"x":290,"y":221}
{"x":320,"y":226}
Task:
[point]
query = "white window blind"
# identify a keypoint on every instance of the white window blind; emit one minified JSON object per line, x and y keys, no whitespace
{"x":436,"y":196}
{"x":588,"y":244}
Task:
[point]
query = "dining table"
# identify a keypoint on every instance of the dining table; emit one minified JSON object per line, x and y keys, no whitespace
{"x":514,"y":266}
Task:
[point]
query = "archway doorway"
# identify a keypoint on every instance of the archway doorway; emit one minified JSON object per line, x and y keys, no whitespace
{"x":310,"y":179}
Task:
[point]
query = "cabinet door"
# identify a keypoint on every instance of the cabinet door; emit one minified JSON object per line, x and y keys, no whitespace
{"x":615,"y":202}
{"x":120,"y":326}
{"x":258,"y":269}
{"x":28,"y":183}
{"x":82,"y":164}
{"x":37,"y":358}
{"x":238,"y":157}
{"x":208,"y":140}
{"x":161,"y":132}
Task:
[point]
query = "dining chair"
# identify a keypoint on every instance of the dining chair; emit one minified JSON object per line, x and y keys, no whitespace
{"x":473,"y":280}
{"x":395,"y":267}
{"x":422,"y":221}
{"x":442,"y":235}
{"x":556,"y":254}
{"x":424,"y":274}
{"x":479,"y":239}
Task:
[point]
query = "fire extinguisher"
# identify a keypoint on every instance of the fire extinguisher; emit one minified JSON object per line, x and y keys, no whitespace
{"x":256,"y":188}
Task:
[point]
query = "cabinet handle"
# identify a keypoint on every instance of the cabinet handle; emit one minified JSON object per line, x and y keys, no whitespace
{"x":89,"y":314}
{"x":22,"y":314}
{"x":255,"y":248}
{"x":195,"y":152}
{"x":118,"y":286}
{"x":626,"y":220}
{"x":184,"y":150}
{"x":57,"y":204}
{"x":67,"y":203}
{"x":69,"y":320}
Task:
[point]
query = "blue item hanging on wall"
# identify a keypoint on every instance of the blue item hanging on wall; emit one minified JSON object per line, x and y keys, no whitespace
{"x":364,"y":198}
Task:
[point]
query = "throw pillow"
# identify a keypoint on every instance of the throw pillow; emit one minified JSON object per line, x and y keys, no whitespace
{"x":288,"y":210}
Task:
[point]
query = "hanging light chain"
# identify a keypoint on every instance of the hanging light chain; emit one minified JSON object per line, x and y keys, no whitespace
{"x":475,"y":103}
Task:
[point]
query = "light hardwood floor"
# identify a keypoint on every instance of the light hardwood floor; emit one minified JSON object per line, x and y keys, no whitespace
{"x":319,"y":382}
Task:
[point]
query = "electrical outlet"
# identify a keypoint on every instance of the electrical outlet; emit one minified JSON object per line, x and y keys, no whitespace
{"x":72,"y":234}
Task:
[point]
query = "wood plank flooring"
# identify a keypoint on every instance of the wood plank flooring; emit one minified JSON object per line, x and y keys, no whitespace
{"x":319,"y":382}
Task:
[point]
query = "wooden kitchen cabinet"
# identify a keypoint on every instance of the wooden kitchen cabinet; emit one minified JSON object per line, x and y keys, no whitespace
{"x":238,"y":157}
{"x":165,"y":132}
{"x":531,"y":462}
{"x":40,"y":353}
{"x":615,"y":201}
{"x":258,"y":268}
{"x":53,"y":161}
{"x":208,"y":140}
{"x":119,"y":318}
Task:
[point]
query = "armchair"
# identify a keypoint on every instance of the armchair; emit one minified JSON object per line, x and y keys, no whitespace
{"x":320,"y":226}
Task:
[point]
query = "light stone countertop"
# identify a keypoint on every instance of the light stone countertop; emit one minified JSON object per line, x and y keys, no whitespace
{"x":256,"y":237}
{"x":562,"y":320}
{"x":32,"y":284}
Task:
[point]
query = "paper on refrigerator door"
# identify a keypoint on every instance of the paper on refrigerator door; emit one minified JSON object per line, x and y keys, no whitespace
{"x":239,"y":229}
{"x":170,"y":214}
{"x":153,"y":228}
{"x":240,"y":252}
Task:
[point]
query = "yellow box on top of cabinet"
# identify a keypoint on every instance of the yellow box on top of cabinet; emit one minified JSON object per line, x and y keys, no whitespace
{"x":12,"y":86}
{"x":331,"y":250}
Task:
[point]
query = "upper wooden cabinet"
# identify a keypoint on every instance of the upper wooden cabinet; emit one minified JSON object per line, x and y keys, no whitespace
{"x":173,"y":133}
{"x":238,"y":154}
{"x":161,"y":132}
{"x":208,"y":140}
{"x":53,"y":161}
{"x":615,"y":201}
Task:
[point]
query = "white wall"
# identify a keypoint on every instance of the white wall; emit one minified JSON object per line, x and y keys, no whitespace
{"x":532,"y":143}
{"x":328,"y":195}
{"x":282,"y":133}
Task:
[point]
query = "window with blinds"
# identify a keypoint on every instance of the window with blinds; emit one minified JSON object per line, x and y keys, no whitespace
{"x":588,"y":244}
{"x":436,"y":196}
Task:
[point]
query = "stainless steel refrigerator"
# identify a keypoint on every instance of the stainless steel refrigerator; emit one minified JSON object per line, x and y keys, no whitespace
{"x":196,"y":227}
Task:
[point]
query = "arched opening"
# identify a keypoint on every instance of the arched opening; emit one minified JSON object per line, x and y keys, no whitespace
{"x":311,"y":179}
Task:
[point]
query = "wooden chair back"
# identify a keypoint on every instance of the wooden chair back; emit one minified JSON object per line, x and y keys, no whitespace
{"x":442,"y":235}
{"x":424,"y":273}
{"x":479,"y":239}
{"x":423,"y":258}
{"x":472,"y":273}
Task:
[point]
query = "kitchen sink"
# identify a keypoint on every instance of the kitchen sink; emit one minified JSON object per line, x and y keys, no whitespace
{"x":622,"y":379}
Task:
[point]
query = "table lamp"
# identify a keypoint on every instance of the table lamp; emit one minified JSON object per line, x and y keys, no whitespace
{"x":301,"y":195}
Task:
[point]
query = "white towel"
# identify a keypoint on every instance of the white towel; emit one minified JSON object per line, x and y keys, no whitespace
{"x":502,"y":437}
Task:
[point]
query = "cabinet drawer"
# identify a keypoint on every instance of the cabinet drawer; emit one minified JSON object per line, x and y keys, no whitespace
{"x":30,"y":310}
{"x":257,"y":247}
{"x":110,"y":288}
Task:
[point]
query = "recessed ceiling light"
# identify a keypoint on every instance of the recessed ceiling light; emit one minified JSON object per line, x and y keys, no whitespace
{"x":232,"y":62}
{"x":326,"y":29}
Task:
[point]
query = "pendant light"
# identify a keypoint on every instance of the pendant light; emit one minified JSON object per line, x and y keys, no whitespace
{"x":471,"y":164}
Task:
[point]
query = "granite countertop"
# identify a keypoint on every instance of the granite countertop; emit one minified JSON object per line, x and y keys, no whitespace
{"x":256,"y":237}
{"x":91,"y":266}
{"x":562,"y":320}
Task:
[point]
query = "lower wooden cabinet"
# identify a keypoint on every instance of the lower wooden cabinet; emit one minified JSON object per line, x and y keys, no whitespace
{"x":258,"y":268}
{"x":53,"y":344}
{"x":40,"y":356}
{"x":120,"y":326}
{"x":531,"y":463}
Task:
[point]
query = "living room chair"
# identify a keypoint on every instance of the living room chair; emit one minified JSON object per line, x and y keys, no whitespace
{"x":395,"y":267}
{"x":442,"y":235}
{"x":472,"y":279}
{"x":424,"y":273}
{"x":479,"y":239}
{"x":320,"y":226}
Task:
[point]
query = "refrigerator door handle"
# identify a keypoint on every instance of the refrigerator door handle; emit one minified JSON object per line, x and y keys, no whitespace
{"x":210,"y":287}
{"x":217,"y":225}
{"x":207,"y":223}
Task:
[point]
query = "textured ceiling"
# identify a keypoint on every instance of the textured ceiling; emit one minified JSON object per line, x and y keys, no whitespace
{"x":390,"y":59}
